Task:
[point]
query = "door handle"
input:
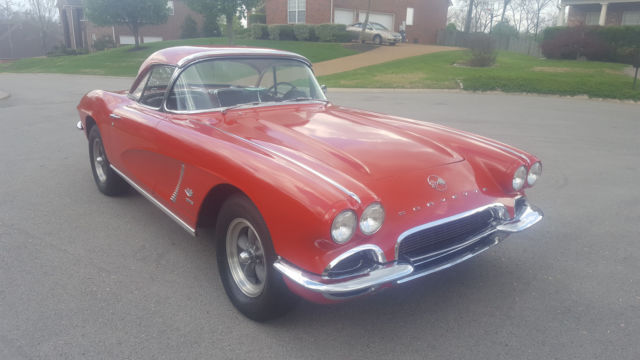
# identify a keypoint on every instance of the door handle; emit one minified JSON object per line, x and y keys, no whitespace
{"x":114,"y":116}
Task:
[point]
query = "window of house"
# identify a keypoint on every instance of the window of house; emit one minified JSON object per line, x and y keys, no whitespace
{"x":409,"y":20}
{"x":297,"y":11}
{"x":631,"y":18}
{"x":592,"y":18}
{"x":172,"y":10}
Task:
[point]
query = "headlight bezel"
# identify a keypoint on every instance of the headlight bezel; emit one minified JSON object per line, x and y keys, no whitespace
{"x":537,"y":165}
{"x":342,"y":217}
{"x":373,"y":207}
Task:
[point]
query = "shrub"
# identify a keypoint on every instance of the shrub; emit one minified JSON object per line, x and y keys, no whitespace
{"x":259,"y":31}
{"x":304,"y":32}
{"x":210,"y":27}
{"x":257,"y":19}
{"x":611,"y":43}
{"x":189,"y":28}
{"x":483,"y":50}
{"x":503,"y":29}
{"x":104,"y":42}
{"x":333,"y":33}
{"x":281,"y":32}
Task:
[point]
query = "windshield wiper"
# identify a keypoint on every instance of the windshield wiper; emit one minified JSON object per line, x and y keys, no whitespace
{"x":224,"y":111}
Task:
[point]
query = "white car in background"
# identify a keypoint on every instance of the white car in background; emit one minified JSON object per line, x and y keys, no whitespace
{"x":376,"y":33}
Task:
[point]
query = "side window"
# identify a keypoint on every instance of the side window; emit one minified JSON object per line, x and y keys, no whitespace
{"x":156,"y":86}
{"x":138,"y":91}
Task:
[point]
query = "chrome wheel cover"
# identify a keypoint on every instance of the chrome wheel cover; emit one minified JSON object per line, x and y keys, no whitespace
{"x":99,"y":160}
{"x":245,"y":256}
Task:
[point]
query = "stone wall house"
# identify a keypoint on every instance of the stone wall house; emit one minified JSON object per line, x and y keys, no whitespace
{"x":604,"y":13}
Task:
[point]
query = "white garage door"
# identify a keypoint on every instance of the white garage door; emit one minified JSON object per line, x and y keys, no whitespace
{"x":381,"y":18}
{"x":344,"y":16}
{"x":129,"y":40}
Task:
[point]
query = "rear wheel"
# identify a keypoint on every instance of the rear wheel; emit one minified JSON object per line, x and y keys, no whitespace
{"x":245,"y":260}
{"x":108,"y":182}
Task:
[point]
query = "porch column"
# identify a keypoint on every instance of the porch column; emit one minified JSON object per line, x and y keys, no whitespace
{"x":603,"y":14}
{"x":561,"y":15}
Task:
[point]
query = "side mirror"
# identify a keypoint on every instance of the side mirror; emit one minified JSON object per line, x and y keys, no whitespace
{"x":324,"y":89}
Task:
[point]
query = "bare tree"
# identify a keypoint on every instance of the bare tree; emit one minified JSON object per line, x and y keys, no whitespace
{"x":44,"y":12}
{"x":539,"y":6}
{"x":467,"y":23}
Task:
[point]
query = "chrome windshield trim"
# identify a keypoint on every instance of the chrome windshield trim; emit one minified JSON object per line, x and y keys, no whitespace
{"x":243,"y":106}
{"x":303,"y":166}
{"x":461,"y":215}
{"x":155,"y":202}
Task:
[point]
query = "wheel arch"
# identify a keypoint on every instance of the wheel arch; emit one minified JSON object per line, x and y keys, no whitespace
{"x":89,"y":123}
{"x":208,"y":212}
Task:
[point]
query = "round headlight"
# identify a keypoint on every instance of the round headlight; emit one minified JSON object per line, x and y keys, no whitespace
{"x":372,"y":219}
{"x":519,"y":178}
{"x":534,"y":173}
{"x":343,"y":226}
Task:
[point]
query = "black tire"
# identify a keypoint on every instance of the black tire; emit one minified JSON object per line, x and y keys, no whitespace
{"x":107,"y":180}
{"x":377,"y":40}
{"x":259,"y":298}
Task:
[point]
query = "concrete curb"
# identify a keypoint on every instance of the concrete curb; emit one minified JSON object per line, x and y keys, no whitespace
{"x":4,"y":95}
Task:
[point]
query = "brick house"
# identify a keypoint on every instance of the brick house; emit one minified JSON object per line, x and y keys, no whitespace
{"x":423,"y":18}
{"x":604,"y":12}
{"x":79,"y":33}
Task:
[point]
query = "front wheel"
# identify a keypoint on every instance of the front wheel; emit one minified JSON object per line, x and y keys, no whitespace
{"x":377,"y":40}
{"x":245,"y":261}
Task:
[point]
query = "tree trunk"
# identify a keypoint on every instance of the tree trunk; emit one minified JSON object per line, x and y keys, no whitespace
{"x":467,"y":23}
{"x":229,"y":28}
{"x":365,"y":23}
{"x":135,"y":30}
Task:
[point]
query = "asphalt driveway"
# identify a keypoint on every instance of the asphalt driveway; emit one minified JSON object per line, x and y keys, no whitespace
{"x":84,"y":276}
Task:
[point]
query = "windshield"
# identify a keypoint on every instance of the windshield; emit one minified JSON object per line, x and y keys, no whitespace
{"x":379,"y":26}
{"x":224,"y":83}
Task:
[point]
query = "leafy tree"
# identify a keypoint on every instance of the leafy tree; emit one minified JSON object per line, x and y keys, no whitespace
{"x":210,"y":27}
{"x":132,"y":13}
{"x":189,"y":28}
{"x":230,"y":9}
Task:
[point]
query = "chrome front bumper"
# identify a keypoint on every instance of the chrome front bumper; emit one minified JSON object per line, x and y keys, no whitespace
{"x":395,"y":272}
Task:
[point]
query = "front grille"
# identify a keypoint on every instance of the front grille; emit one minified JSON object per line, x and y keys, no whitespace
{"x":444,"y":236}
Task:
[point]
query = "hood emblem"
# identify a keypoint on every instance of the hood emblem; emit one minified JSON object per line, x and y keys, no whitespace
{"x":437,"y":182}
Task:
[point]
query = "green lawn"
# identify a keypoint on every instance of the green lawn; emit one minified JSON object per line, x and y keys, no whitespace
{"x":512,"y":73}
{"x":124,"y":62}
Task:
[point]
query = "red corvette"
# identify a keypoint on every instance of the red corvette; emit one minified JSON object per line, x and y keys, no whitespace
{"x":306,"y":197}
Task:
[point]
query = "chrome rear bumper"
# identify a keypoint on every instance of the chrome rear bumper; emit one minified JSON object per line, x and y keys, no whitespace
{"x":397,"y":272}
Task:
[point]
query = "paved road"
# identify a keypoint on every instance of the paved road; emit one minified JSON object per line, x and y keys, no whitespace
{"x":83,"y":276}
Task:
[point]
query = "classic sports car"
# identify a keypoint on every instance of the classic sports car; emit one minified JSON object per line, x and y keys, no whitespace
{"x":306,"y":197}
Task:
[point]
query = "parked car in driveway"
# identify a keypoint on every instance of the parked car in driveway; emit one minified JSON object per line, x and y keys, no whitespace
{"x":376,"y":33}
{"x":308,"y":199}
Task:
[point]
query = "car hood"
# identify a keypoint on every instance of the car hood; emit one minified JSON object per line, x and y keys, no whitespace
{"x":359,"y":145}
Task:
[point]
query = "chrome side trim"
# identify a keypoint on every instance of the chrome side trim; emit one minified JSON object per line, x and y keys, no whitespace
{"x":500,"y":207}
{"x":174,"y":196}
{"x":380,"y":258}
{"x":400,"y":272}
{"x":155,"y":202}
{"x":305,"y":167}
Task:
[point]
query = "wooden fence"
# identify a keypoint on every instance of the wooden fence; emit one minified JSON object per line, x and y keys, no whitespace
{"x":522,"y":45}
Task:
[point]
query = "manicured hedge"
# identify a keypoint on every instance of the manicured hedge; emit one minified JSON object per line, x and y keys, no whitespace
{"x":303,"y":32}
{"x":603,"y":43}
{"x":260,"y":31}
